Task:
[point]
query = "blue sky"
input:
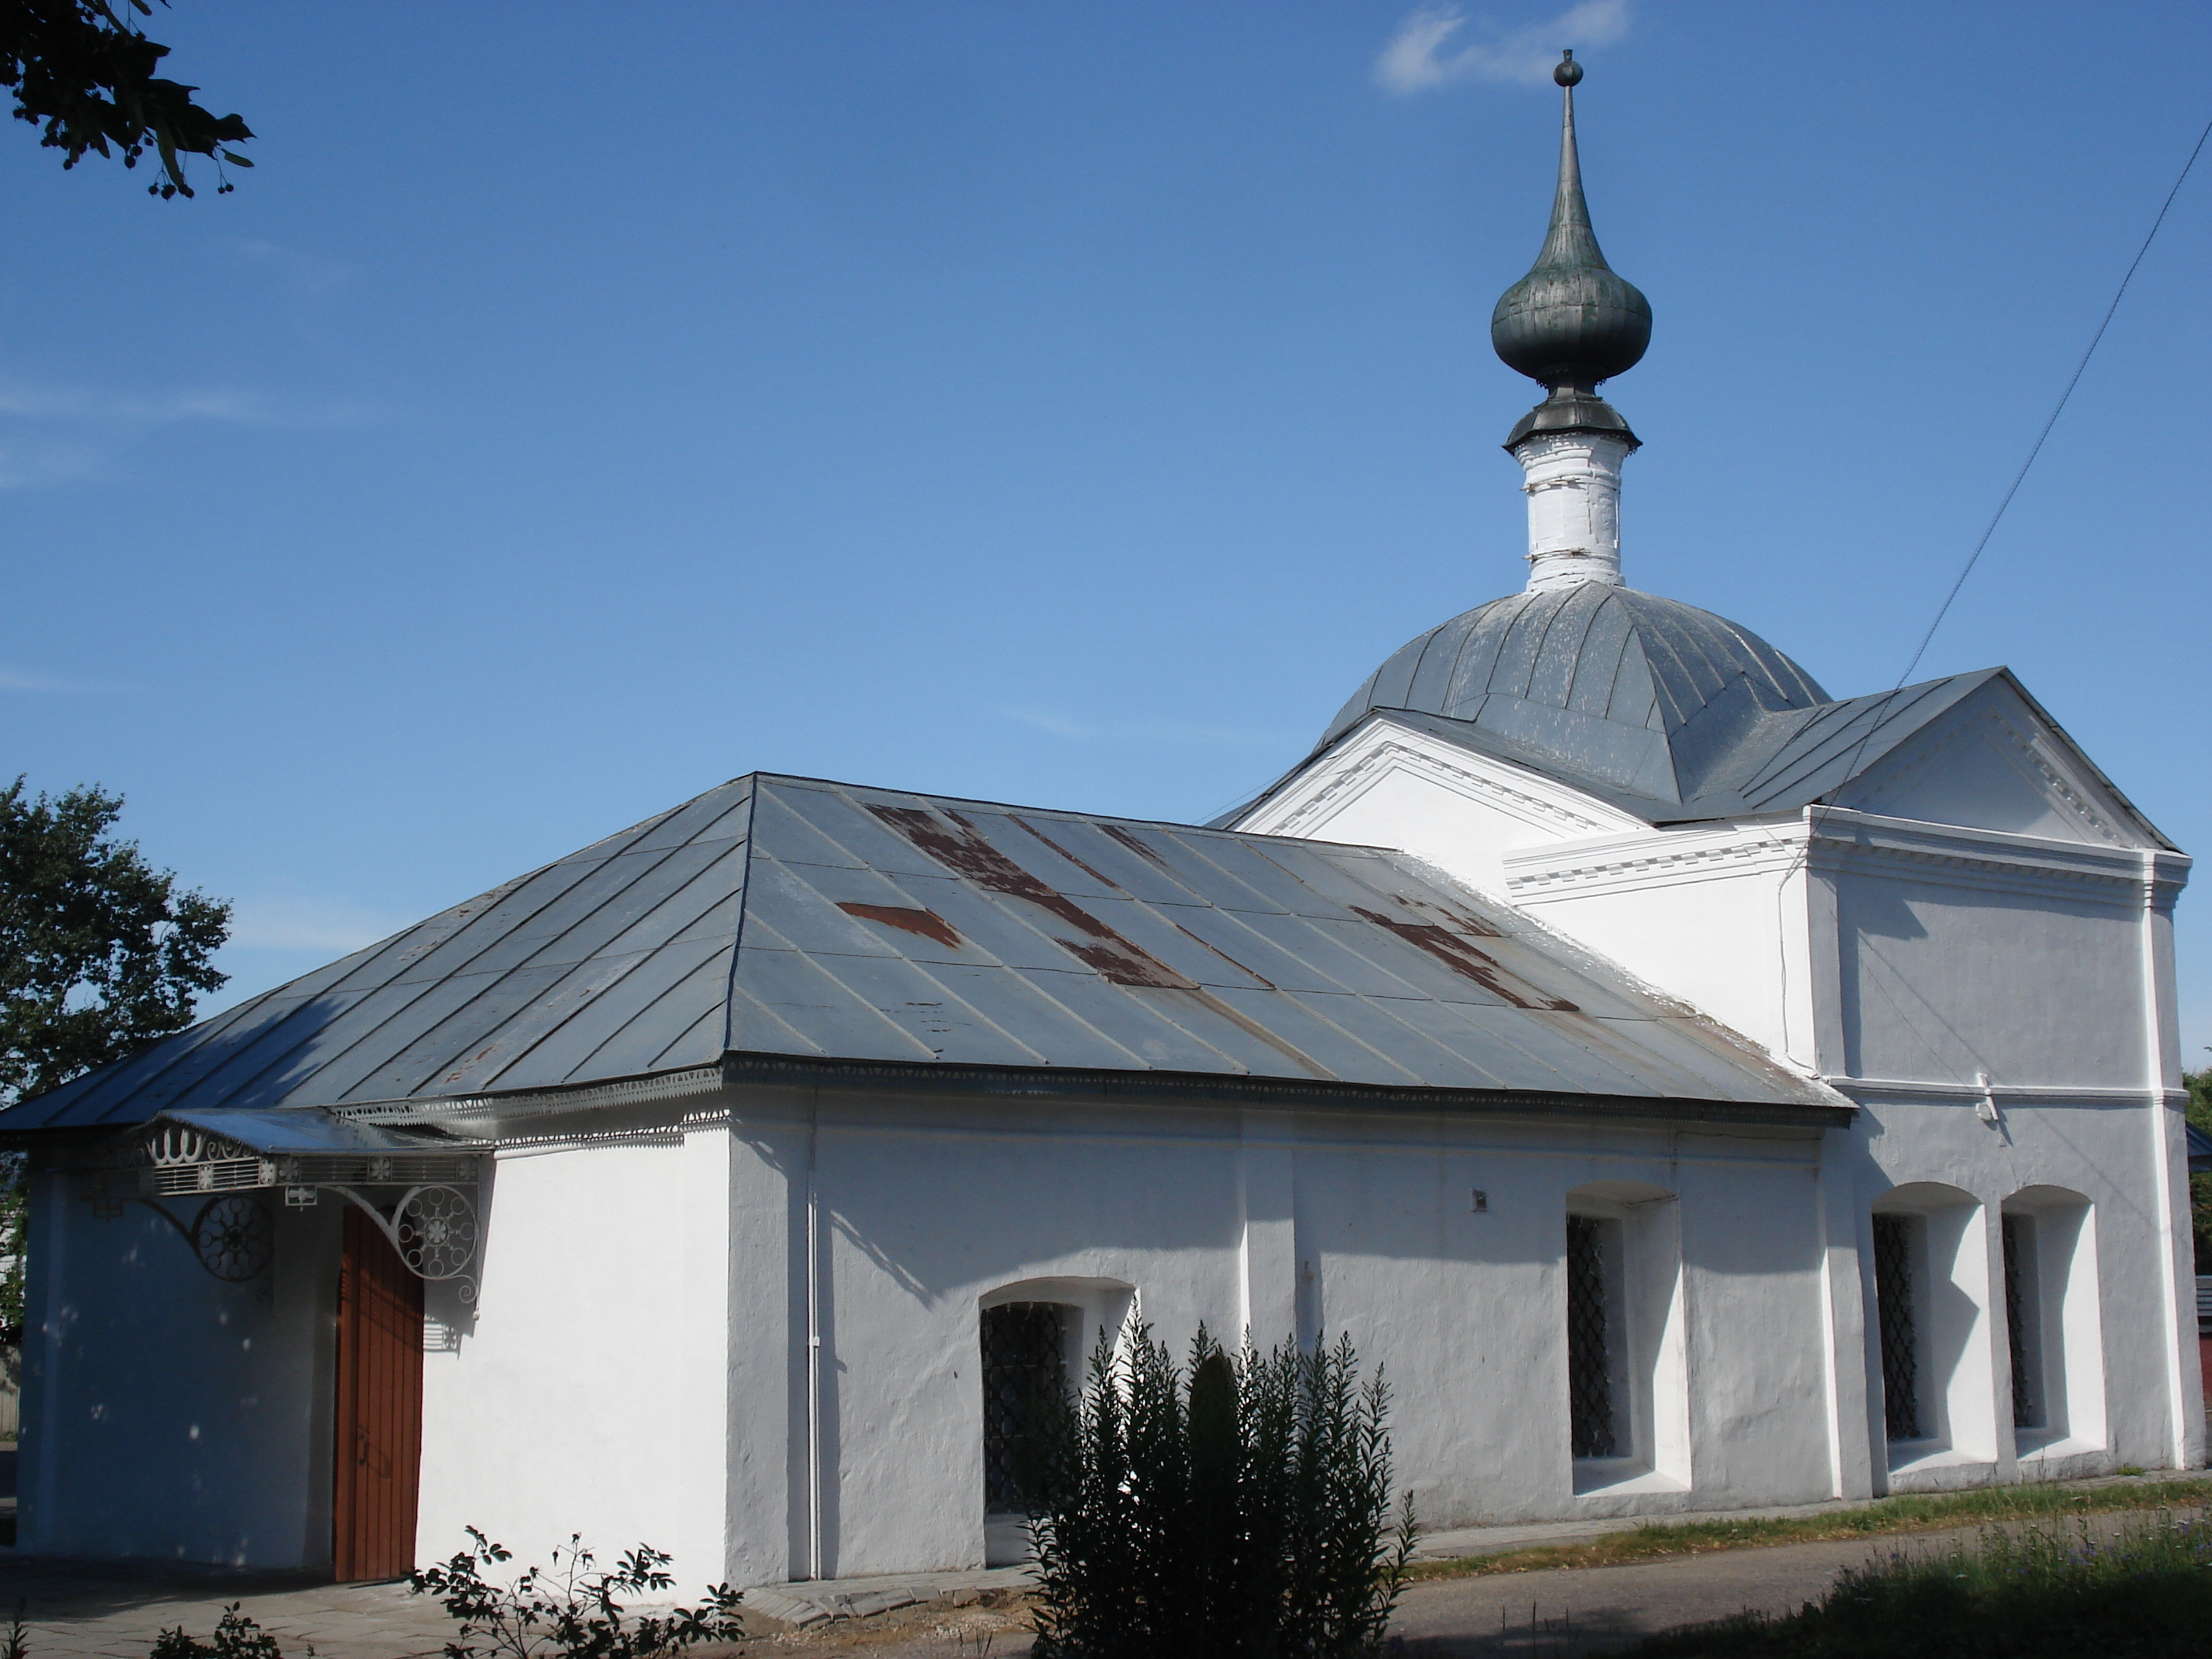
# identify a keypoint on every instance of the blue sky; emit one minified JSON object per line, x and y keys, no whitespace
{"x":582,"y":404}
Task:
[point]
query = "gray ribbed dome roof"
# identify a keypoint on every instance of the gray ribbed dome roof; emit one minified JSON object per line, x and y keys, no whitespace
{"x":1621,"y":687}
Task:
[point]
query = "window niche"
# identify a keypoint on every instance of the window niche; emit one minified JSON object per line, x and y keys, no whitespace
{"x":1627,"y":1396}
{"x":1034,"y":1334}
{"x":2053,"y":1324}
{"x":1932,"y":1287}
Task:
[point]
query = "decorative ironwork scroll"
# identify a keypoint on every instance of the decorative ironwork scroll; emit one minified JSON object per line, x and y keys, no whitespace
{"x":430,"y":1219}
{"x":234,"y":1238}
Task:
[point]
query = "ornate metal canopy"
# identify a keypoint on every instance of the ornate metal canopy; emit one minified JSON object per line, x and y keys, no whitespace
{"x":416,"y":1185}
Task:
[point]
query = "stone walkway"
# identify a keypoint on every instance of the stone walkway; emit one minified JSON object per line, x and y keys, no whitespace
{"x":114,"y":1611}
{"x":107,"y":1610}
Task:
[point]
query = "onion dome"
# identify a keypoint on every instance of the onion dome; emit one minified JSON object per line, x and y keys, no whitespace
{"x":1572,"y":321}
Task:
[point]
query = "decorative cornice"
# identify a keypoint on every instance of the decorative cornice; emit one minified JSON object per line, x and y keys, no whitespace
{"x":1833,"y":838}
{"x":2064,"y":788}
{"x":1747,"y":855}
{"x":2024,"y":1094}
{"x":629,"y":1091}
{"x":1831,"y":850}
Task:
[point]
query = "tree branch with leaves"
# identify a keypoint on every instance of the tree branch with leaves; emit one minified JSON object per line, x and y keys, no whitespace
{"x":99,"y":954}
{"x":84,"y":72}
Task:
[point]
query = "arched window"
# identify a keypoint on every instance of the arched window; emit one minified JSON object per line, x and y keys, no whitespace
{"x":1035,"y":1335}
{"x":1931,"y":1284}
{"x":1024,"y":1359}
{"x":2054,"y":1334}
{"x":1627,"y":1396}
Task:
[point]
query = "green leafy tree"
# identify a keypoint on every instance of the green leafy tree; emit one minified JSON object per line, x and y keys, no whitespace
{"x":83,"y":70}
{"x":2200,"y":1186}
{"x":99,"y":954}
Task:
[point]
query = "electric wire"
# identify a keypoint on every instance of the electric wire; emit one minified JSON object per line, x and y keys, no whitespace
{"x":2059,"y":407}
{"x":1803,"y":855}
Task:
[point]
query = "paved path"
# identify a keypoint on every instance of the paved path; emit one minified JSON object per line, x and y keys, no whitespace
{"x":1588,"y":1610}
{"x":114,"y":1611}
{"x":107,"y":1610}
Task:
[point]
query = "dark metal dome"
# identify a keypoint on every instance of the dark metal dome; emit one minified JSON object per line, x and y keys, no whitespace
{"x":1621,"y":687}
{"x":1572,"y":321}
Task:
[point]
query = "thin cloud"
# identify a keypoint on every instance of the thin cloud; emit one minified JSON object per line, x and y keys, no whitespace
{"x":52,"y":435}
{"x":304,"y":921}
{"x":230,"y":406}
{"x":1416,"y":60}
{"x":12,"y":681}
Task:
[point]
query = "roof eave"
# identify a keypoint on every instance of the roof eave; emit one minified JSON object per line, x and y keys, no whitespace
{"x":739,"y":1069}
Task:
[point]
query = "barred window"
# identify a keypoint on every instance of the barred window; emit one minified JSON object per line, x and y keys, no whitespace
{"x":1022,"y":1346}
{"x":1894,"y":1279}
{"x":1591,"y":1317}
{"x":2023,"y":1323}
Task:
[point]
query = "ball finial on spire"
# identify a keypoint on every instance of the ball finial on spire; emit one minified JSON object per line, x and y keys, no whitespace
{"x":1566,"y":71}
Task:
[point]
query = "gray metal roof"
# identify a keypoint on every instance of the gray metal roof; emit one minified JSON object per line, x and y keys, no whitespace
{"x":1777,"y":763}
{"x":785,"y":917}
{"x":1625,"y":688}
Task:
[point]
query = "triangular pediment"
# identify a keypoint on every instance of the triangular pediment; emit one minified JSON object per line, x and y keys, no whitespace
{"x":1995,"y":761}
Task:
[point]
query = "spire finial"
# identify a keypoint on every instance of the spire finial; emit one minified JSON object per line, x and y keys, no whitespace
{"x":1570,"y":323}
{"x":1571,"y":320}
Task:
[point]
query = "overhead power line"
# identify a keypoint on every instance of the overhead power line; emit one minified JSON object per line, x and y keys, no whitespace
{"x":2072,"y":380}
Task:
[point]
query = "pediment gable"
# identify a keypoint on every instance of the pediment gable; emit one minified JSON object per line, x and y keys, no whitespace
{"x":1995,"y":761}
{"x":1395,"y":782}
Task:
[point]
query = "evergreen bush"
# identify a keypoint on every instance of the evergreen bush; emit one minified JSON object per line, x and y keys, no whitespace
{"x":1239,"y":1510}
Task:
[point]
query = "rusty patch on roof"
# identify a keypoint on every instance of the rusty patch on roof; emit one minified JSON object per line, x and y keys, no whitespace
{"x":964,"y":850}
{"x":1099,"y":876}
{"x":1130,"y":839}
{"x":1468,"y":963}
{"x":926,"y":923}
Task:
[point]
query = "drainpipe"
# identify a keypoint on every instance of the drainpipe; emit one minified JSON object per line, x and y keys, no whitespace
{"x":814,"y":1343}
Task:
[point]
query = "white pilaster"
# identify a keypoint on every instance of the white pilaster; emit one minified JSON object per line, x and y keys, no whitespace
{"x":1574,"y":506}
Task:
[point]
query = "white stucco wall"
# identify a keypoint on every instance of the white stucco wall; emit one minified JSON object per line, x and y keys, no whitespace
{"x":1981,"y":929}
{"x":1311,"y":1223}
{"x":586,"y":1390}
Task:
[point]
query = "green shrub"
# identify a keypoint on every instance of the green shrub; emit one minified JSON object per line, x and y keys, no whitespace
{"x":1241,"y":1510}
{"x":568,"y":1610}
{"x":2039,"y":1592}
{"x":236,"y":1637}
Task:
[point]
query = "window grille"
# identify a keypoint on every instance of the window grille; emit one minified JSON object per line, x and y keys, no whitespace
{"x":1589,"y":1376}
{"x":2019,"y":1244}
{"x":1021,"y":1361}
{"x":1900,"y":1355}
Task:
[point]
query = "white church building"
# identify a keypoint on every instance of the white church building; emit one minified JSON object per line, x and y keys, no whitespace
{"x":1699,"y":1092}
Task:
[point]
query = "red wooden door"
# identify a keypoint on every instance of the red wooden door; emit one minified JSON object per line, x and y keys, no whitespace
{"x":379,"y":1442}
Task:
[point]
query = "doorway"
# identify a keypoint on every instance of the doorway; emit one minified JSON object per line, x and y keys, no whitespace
{"x":378,"y":1442}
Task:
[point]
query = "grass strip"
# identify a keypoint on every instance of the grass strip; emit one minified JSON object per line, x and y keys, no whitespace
{"x":1910,"y":1513}
{"x":2043,"y":1590}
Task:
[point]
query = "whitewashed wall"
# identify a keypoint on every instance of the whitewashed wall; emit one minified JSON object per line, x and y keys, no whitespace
{"x":1976,"y":943}
{"x":586,"y":1390}
{"x":1299,"y":1223}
